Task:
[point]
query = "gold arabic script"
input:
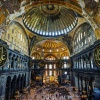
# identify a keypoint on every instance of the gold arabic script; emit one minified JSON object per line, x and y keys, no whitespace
{"x":2,"y":56}
{"x":97,"y":55}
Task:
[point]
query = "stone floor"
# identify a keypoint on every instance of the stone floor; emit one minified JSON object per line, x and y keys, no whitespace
{"x":51,"y":93}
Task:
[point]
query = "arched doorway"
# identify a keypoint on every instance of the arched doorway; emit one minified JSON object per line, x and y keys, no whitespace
{"x":13,"y":87}
{"x":18,"y":82}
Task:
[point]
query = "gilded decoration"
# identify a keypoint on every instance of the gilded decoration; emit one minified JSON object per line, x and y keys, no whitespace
{"x":97,"y":33}
{"x":3,"y":55}
{"x":97,"y":55}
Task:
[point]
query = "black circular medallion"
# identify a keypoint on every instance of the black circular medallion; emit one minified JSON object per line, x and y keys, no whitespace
{"x":3,"y":55}
{"x":97,"y":55}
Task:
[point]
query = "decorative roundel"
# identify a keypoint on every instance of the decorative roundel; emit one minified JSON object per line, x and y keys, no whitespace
{"x":50,"y":9}
{"x":97,"y":55}
{"x":3,"y":55}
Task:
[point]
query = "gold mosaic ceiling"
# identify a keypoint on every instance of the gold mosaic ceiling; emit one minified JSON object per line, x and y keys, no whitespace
{"x":51,"y":45}
{"x":50,"y":20}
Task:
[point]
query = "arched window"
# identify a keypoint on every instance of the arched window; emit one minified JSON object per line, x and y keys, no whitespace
{"x":50,"y":57}
{"x":65,"y":65}
{"x":36,"y":55}
{"x":50,"y":68}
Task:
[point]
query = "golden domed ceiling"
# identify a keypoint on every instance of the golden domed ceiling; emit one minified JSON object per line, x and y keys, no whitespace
{"x":51,"y":46}
{"x":50,"y":20}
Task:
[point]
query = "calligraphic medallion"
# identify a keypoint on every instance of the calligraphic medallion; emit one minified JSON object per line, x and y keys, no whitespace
{"x":3,"y":55}
{"x":97,"y":55}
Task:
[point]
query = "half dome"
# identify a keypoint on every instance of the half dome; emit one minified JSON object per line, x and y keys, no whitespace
{"x":53,"y":46}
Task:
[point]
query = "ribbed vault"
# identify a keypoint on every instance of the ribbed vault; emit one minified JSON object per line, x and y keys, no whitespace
{"x":50,"y":20}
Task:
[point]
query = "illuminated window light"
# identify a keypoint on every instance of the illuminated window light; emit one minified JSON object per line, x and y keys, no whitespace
{"x":29,"y":27}
{"x":37,"y":31}
{"x":56,"y":33}
{"x":64,"y":57}
{"x":59,"y":32}
{"x":46,"y":66}
{"x":53,"y":33}
{"x":50,"y":50}
{"x":49,"y":33}
{"x":50,"y":66}
{"x":96,"y":1}
{"x":62,"y":48}
{"x":72,"y":25}
{"x":32,"y":29}
{"x":62,"y":32}
{"x":43,"y":33}
{"x":65,"y":72}
{"x":67,"y":30}
{"x":46,"y":33}
{"x":33,"y":58}
{"x":67,"y":57}
{"x":50,"y":73}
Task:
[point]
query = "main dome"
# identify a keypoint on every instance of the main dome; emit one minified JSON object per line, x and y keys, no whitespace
{"x":50,"y":20}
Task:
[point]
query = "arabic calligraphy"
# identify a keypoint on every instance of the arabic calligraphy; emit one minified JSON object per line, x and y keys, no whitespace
{"x":97,"y":55}
{"x":3,"y":55}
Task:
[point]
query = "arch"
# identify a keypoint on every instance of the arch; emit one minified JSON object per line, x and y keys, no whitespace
{"x":21,"y":83}
{"x":18,"y":82}
{"x":18,"y":38}
{"x":66,"y":4}
{"x":18,"y":24}
{"x":36,"y":55}
{"x":12,"y":62}
{"x":65,"y":55}
{"x":24,"y":84}
{"x":82,"y":25}
{"x":8,"y":88}
{"x":83,"y":37}
{"x":50,"y":56}
{"x":13,"y":86}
